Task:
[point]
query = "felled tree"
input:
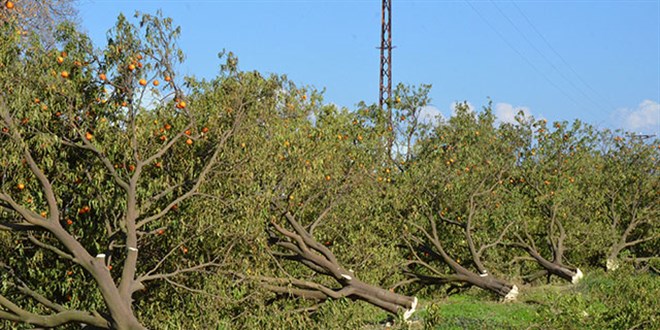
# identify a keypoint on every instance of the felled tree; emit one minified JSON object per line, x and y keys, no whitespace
{"x":315,"y":162}
{"x":455,"y":216}
{"x":100,"y":154}
{"x":630,"y":199}
{"x":299,"y":245}
{"x":552,"y":194}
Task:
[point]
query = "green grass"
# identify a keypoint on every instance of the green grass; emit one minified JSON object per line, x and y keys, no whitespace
{"x":618,"y":300}
{"x":469,"y":311}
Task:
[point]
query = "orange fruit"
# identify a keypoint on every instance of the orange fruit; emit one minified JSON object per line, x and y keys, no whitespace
{"x":60,"y":59}
{"x":206,"y":130}
{"x":187,"y":132}
{"x":20,"y":186}
{"x":69,"y":222}
{"x":143,"y":82}
{"x":43,"y":214}
{"x":158,"y":165}
{"x":9,"y":5}
{"x":189,"y":142}
{"x":156,"y":82}
{"x":102,"y":76}
{"x":168,"y":78}
{"x":139,"y":56}
{"x":131,"y":167}
{"x":131,"y":67}
{"x":160,"y":232}
{"x":89,"y":136}
{"x":168,"y":127}
{"x":163,"y":137}
{"x":84,"y":210}
{"x":181,"y":105}
{"x":44,"y":107}
{"x":64,"y":74}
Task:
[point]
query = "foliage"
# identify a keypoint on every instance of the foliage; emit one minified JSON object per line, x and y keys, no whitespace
{"x":105,"y":150}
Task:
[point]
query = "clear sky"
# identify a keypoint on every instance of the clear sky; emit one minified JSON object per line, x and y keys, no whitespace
{"x":598,"y":61}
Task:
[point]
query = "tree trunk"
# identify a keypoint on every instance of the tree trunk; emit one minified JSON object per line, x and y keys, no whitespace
{"x":553,"y":268}
{"x":387,"y":300}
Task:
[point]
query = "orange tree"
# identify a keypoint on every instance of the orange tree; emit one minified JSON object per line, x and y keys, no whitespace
{"x":555,"y":196}
{"x":630,"y":192}
{"x":38,"y":16}
{"x":103,"y":151}
{"x":455,"y":192}
{"x":304,"y":204}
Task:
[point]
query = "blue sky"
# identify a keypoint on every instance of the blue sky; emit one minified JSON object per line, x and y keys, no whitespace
{"x":598,"y":61}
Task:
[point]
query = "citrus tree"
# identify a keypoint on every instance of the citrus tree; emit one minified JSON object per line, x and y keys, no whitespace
{"x":455,"y":209}
{"x":103,"y":151}
{"x":555,"y":195}
{"x":40,"y":17}
{"x":630,"y":185}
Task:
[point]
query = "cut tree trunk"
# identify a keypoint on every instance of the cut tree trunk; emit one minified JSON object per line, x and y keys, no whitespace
{"x":299,"y":245}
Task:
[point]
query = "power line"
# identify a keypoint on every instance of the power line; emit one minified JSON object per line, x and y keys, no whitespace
{"x":563,"y":60}
{"x":515,"y":26}
{"x":492,"y":27}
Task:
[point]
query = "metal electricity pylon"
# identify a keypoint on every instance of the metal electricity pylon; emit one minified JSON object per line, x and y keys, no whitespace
{"x":385,"y":95}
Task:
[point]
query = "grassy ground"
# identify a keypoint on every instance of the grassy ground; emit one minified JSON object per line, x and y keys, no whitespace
{"x":601,"y":301}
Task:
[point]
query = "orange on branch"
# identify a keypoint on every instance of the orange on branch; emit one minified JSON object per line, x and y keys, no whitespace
{"x":143,"y":82}
{"x":64,"y":74}
{"x":189,"y":142}
{"x":156,"y":82}
{"x":9,"y":5}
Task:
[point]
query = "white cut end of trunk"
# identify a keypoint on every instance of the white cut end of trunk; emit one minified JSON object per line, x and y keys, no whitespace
{"x":484,"y":274}
{"x":346,"y":277}
{"x":100,"y":256}
{"x":577,"y":277}
{"x":130,"y":248}
{"x":513,"y":293}
{"x":612,"y":264}
{"x":408,"y":313}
